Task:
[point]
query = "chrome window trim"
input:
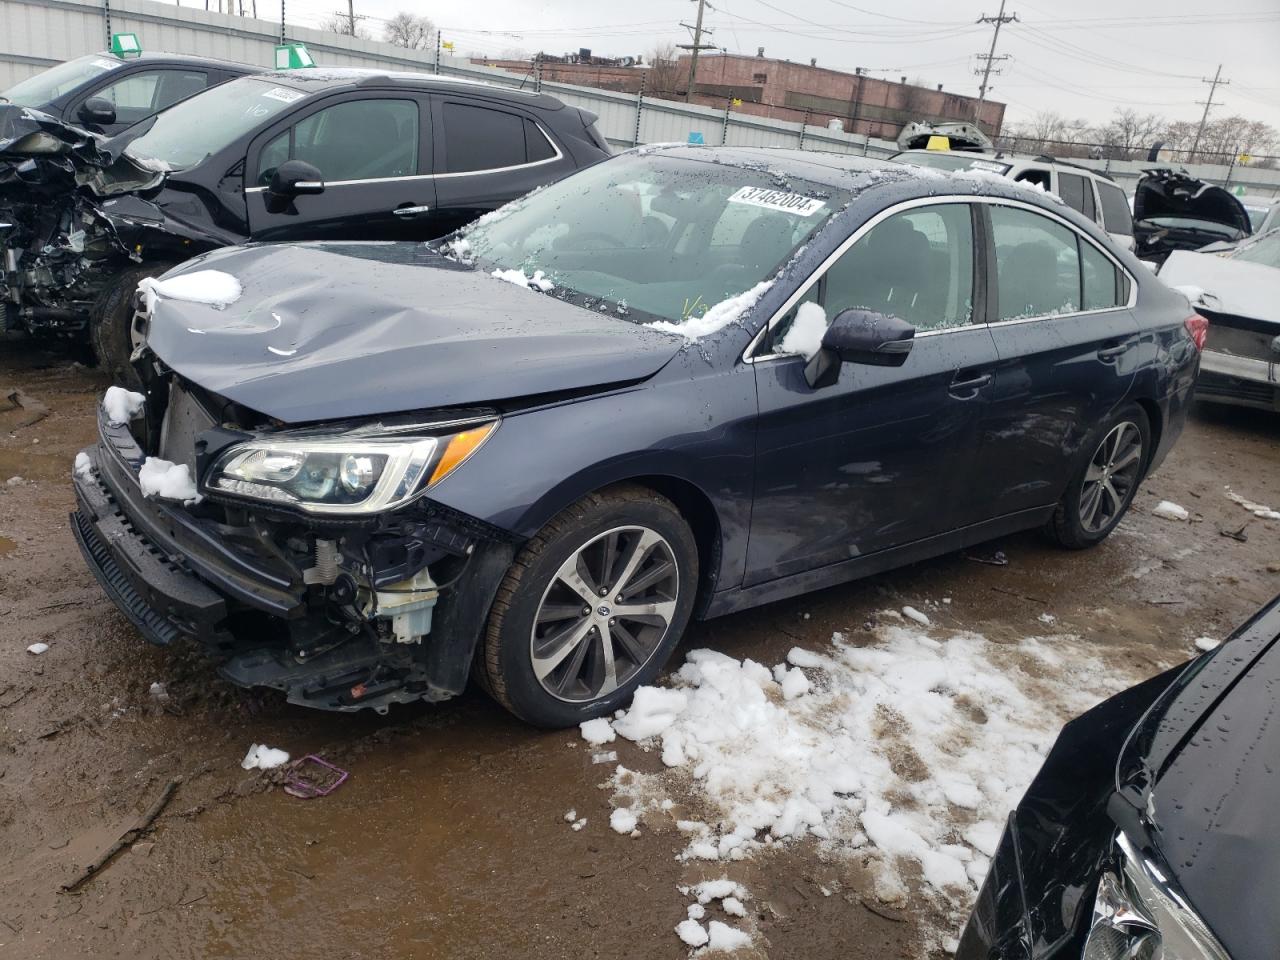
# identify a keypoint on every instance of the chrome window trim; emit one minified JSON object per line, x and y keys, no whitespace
{"x":559,"y":154}
{"x":749,"y":356}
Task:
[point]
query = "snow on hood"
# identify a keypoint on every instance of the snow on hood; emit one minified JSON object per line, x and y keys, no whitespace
{"x":211,"y":287}
{"x":1225,"y":284}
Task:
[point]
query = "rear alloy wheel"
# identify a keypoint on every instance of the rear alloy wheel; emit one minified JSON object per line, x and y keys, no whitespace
{"x":591,"y":609}
{"x":1104,"y":487}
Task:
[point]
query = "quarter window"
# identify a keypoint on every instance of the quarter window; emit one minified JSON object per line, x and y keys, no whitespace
{"x":1101,"y":279}
{"x":477,"y":138}
{"x":353,"y":140}
{"x":1116,"y":217}
{"x":1076,"y":193}
{"x":1037,"y":264}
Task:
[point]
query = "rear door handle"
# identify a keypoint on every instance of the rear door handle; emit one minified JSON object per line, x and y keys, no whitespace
{"x":969,"y":387}
{"x":1108,"y":354}
{"x":411,"y":211}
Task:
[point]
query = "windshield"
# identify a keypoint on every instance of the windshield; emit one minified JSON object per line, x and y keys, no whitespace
{"x":1264,"y":250}
{"x":950,"y":161}
{"x":663,"y":236}
{"x":193,"y":130}
{"x":39,"y":90}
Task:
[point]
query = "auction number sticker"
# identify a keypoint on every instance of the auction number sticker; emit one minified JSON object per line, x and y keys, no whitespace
{"x":793,"y":203}
{"x":989,"y":165}
{"x":283,"y":95}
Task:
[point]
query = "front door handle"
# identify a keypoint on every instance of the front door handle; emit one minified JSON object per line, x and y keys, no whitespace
{"x":410,"y":210}
{"x":970,"y":387}
{"x":1109,"y":354}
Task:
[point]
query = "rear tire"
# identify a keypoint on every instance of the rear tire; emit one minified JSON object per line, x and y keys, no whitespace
{"x":591,"y":609}
{"x":1103,"y":487}
{"x":111,"y":323}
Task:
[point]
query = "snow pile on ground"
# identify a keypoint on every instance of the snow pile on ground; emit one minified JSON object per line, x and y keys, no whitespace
{"x":537,"y":282}
{"x":598,"y":732}
{"x":911,"y":748}
{"x":121,"y":405}
{"x":807,"y":331}
{"x":716,"y":935}
{"x":718,"y":317}
{"x":262,"y":757}
{"x":1207,"y":643}
{"x":1257,"y":509}
{"x":168,"y":481}
{"x":212,"y":287}
{"x":37,"y":648}
{"x":83,"y":465}
{"x":1168,"y":510}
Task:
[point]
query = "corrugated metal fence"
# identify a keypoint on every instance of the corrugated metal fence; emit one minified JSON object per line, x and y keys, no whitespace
{"x":35,"y":34}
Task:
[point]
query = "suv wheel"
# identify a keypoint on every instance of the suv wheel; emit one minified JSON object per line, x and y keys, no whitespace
{"x":591,"y":608}
{"x":111,"y":323}
{"x":1102,"y":489}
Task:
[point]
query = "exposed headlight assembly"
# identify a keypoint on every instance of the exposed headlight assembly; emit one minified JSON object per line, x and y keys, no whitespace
{"x":351,"y":475}
{"x":1138,"y":914}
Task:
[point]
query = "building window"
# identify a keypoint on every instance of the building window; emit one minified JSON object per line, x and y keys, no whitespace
{"x":760,"y":78}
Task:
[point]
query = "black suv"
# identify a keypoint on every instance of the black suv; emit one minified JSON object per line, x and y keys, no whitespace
{"x":313,"y":154}
{"x":105,"y":93}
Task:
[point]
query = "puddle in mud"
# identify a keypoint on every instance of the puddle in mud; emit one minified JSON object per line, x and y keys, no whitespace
{"x":30,"y":465}
{"x":6,"y":546}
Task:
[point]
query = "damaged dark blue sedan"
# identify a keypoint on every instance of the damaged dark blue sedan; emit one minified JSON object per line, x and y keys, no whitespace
{"x":683,"y":382}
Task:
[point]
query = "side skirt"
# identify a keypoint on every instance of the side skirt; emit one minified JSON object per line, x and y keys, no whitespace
{"x":743,"y":598}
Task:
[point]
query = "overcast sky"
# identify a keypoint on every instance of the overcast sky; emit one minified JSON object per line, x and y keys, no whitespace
{"x":1082,"y":59}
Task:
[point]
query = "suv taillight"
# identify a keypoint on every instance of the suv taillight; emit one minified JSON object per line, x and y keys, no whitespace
{"x":1198,"y":327}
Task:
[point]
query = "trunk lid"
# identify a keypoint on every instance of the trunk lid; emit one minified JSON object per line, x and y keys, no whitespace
{"x":1169,"y":194}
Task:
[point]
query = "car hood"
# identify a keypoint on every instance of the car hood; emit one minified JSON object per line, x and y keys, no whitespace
{"x":325,"y":331}
{"x":1166,"y":193}
{"x":1225,"y":285}
{"x":70,"y":159}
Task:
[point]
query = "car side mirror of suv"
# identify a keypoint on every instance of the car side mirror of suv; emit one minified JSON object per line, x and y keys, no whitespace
{"x":294,"y":178}
{"x":97,"y":111}
{"x":859,"y":336}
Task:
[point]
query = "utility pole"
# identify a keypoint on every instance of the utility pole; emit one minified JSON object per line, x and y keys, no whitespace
{"x":990,"y":57}
{"x":698,"y":31}
{"x":1204,"y":117}
{"x":351,"y":17}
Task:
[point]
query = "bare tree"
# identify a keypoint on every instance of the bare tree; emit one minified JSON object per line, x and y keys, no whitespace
{"x":340,"y":23}
{"x":1130,"y":132}
{"x":663,"y":69}
{"x":410,"y":30}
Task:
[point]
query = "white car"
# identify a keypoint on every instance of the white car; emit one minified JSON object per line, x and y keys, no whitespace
{"x":1238,"y":291}
{"x":1091,"y":192}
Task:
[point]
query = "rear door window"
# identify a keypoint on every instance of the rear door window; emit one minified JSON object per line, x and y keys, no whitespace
{"x":1037,"y":264}
{"x":1100,"y":277}
{"x":372,"y":139}
{"x":1116,"y":217}
{"x":480,"y":138}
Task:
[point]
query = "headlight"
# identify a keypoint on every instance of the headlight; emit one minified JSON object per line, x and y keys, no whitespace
{"x":1138,"y":914}
{"x":355,"y":475}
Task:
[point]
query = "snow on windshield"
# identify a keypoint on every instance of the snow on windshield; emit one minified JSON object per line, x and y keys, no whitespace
{"x":718,"y":317}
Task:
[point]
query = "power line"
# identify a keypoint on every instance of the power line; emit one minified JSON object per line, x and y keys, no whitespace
{"x":1216,"y":82}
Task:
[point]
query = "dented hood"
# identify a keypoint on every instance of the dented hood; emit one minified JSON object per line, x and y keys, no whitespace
{"x":43,"y":158}
{"x":326,"y":331}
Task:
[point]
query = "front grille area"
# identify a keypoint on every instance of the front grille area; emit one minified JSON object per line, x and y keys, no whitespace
{"x":184,"y":420}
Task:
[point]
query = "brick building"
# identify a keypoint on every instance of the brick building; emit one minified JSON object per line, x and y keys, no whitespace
{"x":780,"y":89}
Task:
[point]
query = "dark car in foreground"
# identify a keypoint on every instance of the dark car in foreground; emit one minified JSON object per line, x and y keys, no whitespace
{"x":683,"y":382}
{"x":1150,"y":831}
{"x":105,"y":93}
{"x":290,"y":155}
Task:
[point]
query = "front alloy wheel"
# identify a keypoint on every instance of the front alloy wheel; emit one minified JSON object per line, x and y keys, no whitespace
{"x":605,"y":613}
{"x":591,"y":608}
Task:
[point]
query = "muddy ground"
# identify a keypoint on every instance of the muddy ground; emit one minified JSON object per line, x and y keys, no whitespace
{"x":449,"y":840}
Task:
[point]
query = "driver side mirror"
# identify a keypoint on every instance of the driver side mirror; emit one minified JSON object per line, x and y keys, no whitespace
{"x":294,"y":178}
{"x":97,"y":111}
{"x":859,"y":336}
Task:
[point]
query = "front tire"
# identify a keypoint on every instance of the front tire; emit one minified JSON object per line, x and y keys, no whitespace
{"x":111,"y":323}
{"x":591,"y":609}
{"x":1103,"y":488}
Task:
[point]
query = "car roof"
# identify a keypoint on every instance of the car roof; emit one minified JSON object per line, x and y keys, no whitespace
{"x":159,"y":58}
{"x":311,"y":78}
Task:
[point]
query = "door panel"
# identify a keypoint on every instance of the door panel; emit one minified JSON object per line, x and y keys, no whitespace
{"x":1058,"y":375}
{"x":879,"y":458}
{"x":373,"y":153}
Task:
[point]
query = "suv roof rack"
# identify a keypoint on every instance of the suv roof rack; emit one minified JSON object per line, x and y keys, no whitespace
{"x":1045,"y":158}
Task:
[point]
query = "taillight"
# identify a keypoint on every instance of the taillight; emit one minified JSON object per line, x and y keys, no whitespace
{"x":1198,"y":328}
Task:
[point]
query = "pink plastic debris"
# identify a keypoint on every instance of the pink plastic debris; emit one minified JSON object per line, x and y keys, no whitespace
{"x":320,"y":782}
